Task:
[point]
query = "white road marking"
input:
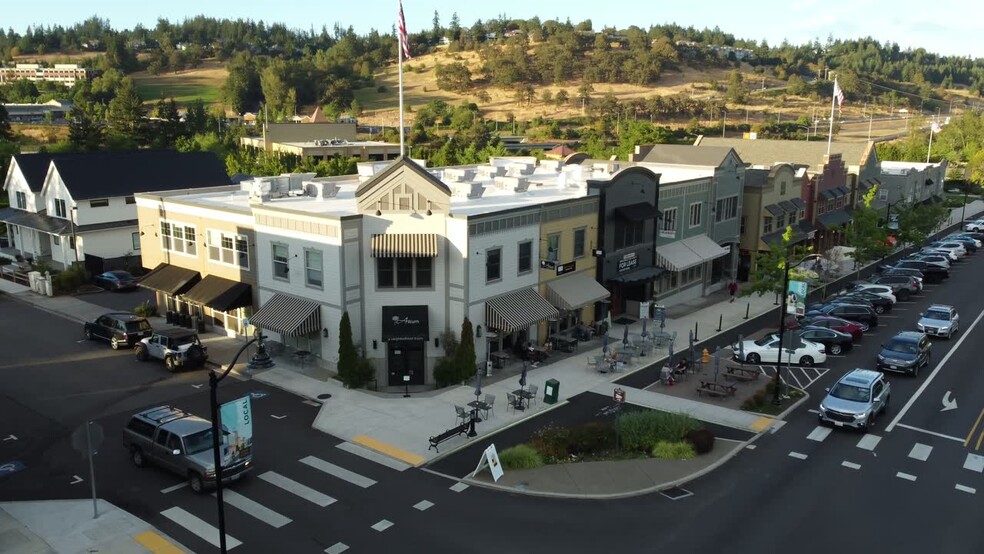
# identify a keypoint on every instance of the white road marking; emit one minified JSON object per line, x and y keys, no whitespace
{"x":963,"y":488}
{"x":905,"y":476}
{"x":974,"y":462}
{"x":851,"y":465}
{"x":458,"y":487}
{"x":336,"y":548}
{"x":253,"y":508}
{"x":929,"y":379}
{"x":797,"y":455}
{"x":77,"y":480}
{"x":933,"y":433}
{"x":750,"y":447}
{"x":920,"y":452}
{"x":198,"y":387}
{"x":291,"y":486}
{"x":338,"y":471}
{"x":372,"y":455}
{"x":819,"y":433}
{"x":277,"y":416}
{"x":423,"y":505}
{"x":382,"y":525}
{"x":869,"y":442}
{"x":812,"y":411}
{"x":316,"y":405}
{"x":199,"y":527}
{"x":177,"y":487}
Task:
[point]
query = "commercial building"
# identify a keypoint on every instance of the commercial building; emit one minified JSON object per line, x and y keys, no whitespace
{"x":65,"y":73}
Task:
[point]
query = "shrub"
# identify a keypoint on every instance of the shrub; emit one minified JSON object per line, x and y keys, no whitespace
{"x":590,"y":438}
{"x":446,"y":372}
{"x":702,"y":440}
{"x":146,"y":309}
{"x":381,"y":89}
{"x":551,"y":442}
{"x":641,"y":430}
{"x":680,"y":450}
{"x":521,"y":456}
{"x":69,"y":280}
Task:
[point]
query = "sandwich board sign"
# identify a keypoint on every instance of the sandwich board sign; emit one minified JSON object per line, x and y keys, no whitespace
{"x":490,"y":459}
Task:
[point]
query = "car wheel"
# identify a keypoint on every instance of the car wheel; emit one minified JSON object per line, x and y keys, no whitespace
{"x":835,"y":349}
{"x":864,"y":426}
{"x":196,"y":482}
{"x":141,"y":353}
{"x":806,"y":361}
{"x":136,"y":456}
{"x":114,"y":343}
{"x":88,"y":334}
{"x":879,"y":310}
{"x":169,"y":364}
{"x":753,"y":358}
{"x":888,"y":400}
{"x":915,"y":371}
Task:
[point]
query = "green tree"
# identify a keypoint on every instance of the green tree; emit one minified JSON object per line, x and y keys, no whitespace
{"x":917,"y":222}
{"x":736,"y":88}
{"x":351,"y":367}
{"x":125,"y":114}
{"x":86,"y":131}
{"x":767,"y":274}
{"x":465,"y":353}
{"x":455,"y":77}
{"x":865,"y":233}
{"x":6,"y":133}
{"x":196,"y":118}
{"x":169,"y":126}
{"x":561,"y":98}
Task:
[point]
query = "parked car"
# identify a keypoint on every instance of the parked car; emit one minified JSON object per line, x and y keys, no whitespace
{"x":970,"y":244}
{"x":766,"y":350}
{"x":905,"y":352}
{"x":118,"y":329}
{"x":932,"y":273}
{"x":879,"y":303}
{"x":958,"y":250}
{"x":861,"y":314}
{"x":919,"y":275}
{"x":903,"y":286}
{"x":850,"y":300}
{"x":939,"y":320}
{"x":976,"y":226}
{"x":180,"y":443}
{"x":884,"y":291}
{"x":853,"y":328}
{"x":926,"y":252}
{"x":179,"y":348}
{"x":115,"y":280}
{"x":834,"y":342}
{"x":976,"y":235}
{"x":855,"y":400}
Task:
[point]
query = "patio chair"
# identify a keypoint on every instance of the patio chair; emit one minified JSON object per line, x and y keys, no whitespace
{"x":510,"y":401}
{"x":489,"y":405}
{"x":461,"y":415}
{"x":593,"y":362}
{"x":532,"y":393}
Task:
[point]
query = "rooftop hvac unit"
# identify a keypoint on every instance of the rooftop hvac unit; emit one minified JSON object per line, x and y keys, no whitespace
{"x":477,"y":190}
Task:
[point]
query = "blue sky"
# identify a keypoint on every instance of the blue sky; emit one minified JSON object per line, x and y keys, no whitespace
{"x":949,"y":27}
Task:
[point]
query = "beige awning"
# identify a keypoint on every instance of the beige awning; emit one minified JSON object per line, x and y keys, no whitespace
{"x":571,"y":292}
{"x":404,"y":245}
{"x":517,"y":310}
{"x":707,"y":249}
{"x":686,"y":253}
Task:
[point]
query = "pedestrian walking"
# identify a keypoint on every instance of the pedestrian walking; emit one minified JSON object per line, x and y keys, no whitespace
{"x":733,"y":289}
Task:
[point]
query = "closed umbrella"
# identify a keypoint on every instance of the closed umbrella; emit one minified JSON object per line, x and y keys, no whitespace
{"x":604,"y":343}
{"x":625,"y":336}
{"x":478,"y":384}
{"x":644,"y":333}
{"x":717,"y":362}
{"x":741,"y":348}
{"x":670,"y":361}
{"x":693,"y":359}
{"x":522,"y":377}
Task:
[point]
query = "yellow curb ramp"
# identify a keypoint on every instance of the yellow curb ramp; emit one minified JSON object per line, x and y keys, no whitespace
{"x":761,"y":424}
{"x":156,"y":543}
{"x":389,"y":450}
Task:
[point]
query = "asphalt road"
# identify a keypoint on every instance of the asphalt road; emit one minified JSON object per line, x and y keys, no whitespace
{"x":122,"y":301}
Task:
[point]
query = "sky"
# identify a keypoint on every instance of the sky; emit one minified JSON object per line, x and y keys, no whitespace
{"x":949,"y":27}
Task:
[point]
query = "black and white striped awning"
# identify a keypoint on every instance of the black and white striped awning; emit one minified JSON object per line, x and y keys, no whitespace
{"x":404,"y":245}
{"x":517,"y":310}
{"x":288,"y":315}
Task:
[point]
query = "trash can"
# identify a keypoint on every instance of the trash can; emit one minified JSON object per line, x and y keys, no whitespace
{"x":199,"y":324}
{"x":169,"y":317}
{"x":551,"y":389}
{"x":184,"y":320}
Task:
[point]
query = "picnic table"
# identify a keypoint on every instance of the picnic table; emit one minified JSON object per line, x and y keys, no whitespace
{"x":742,"y":374}
{"x":565,"y":342}
{"x":716,"y":390}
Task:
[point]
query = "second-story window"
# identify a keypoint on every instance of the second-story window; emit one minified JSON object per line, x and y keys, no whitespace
{"x":281,"y":257}
{"x":405,"y":273}
{"x":99,"y":203}
{"x":493,"y":264}
{"x":579,"y":235}
{"x":314,"y":270}
{"x":21,"y":200}
{"x":525,"y":260}
{"x":628,"y":233}
{"x":767,"y":227}
{"x":60,"y":210}
{"x":553,"y":247}
{"x":177,"y":237}
{"x":695,"y":212}
{"x":228,"y":248}
{"x":669,"y":221}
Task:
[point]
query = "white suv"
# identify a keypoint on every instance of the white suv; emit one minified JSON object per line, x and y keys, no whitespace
{"x":975,"y":226}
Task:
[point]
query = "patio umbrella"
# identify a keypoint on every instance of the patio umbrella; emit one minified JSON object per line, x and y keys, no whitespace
{"x":625,"y":336}
{"x":717,"y":362}
{"x":670,"y":361}
{"x":644,"y":333}
{"x":741,"y":348}
{"x":522,"y":377}
{"x":478,"y":384}
{"x":604,"y":344}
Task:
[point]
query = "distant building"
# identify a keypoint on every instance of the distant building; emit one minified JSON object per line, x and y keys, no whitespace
{"x":36,"y":113}
{"x":65,"y":73}
{"x":319,"y":140}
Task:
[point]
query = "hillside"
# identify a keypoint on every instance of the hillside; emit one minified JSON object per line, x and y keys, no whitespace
{"x":184,"y":86}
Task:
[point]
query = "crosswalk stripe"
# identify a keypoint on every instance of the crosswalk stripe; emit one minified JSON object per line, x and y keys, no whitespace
{"x":372,"y":456}
{"x":423,"y":505}
{"x":964,"y":488}
{"x":974,"y":462}
{"x":851,"y":465}
{"x":920,"y":452}
{"x":338,"y":471}
{"x":869,"y":442}
{"x":819,"y":433}
{"x":905,"y":476}
{"x":458,"y":487}
{"x":336,"y":548}
{"x":199,"y":527}
{"x":382,"y":525}
{"x":253,"y":508}
{"x":797,"y":455}
{"x":304,"y":491}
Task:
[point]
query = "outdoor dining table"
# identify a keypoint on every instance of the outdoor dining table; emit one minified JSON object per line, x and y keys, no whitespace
{"x":477,"y":405}
{"x":564,"y":342}
{"x":521,"y":395}
{"x":499,"y":359}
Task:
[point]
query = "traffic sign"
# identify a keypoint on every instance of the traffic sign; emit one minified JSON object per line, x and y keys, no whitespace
{"x":619,"y":395}
{"x":82,"y":444}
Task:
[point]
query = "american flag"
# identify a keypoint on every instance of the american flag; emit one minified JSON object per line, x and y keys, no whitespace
{"x":838,"y":93}
{"x":402,"y":30}
{"x":936,"y":127}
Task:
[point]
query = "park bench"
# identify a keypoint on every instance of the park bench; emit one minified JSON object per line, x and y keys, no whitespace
{"x":452,"y":432}
{"x":715,"y":389}
{"x":742,"y":374}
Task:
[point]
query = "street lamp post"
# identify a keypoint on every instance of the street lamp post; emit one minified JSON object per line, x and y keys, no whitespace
{"x":75,"y":242}
{"x":777,"y":395}
{"x":261,"y":360}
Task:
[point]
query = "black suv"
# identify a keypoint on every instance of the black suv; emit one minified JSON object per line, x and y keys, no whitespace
{"x":879,"y":303}
{"x":934,"y":273}
{"x":906,"y":352}
{"x":118,"y":328}
{"x":861,"y":314}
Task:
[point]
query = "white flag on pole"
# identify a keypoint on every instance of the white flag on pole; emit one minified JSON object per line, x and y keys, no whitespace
{"x":936,"y":127}
{"x":838,"y":93}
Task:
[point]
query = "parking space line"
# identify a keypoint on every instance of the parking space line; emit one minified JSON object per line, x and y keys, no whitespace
{"x":851,"y":465}
{"x":928,"y":432}
{"x":920,"y":451}
{"x":905,"y":476}
{"x":199,"y":527}
{"x":423,"y":505}
{"x":337,"y":548}
{"x":973,"y":429}
{"x":962,"y":488}
{"x":797,"y":455}
{"x":974,"y":462}
{"x":382,"y":525}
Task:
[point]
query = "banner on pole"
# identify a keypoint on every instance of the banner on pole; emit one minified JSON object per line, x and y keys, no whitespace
{"x":236,"y":424}
{"x":796,"y":301}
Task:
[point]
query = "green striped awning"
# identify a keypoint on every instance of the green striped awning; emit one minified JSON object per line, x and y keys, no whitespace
{"x":517,"y":310}
{"x":288,"y":315}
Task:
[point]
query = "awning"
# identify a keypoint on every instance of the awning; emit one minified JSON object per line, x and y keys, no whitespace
{"x":932,"y":200}
{"x":220,"y":294}
{"x":676,"y":256}
{"x":636,"y":212}
{"x":843,"y":191}
{"x":517,"y":310}
{"x":706,"y":248}
{"x":828,"y":194}
{"x":288,"y":315}
{"x":643,"y":275}
{"x":405,"y":323}
{"x":775,"y":210}
{"x":833,"y":219}
{"x":798,"y":202}
{"x":788,"y":206}
{"x":170,"y":279}
{"x":404,"y":245}
{"x":573,"y":291}
{"x":39,"y":221}
{"x":801,"y":232}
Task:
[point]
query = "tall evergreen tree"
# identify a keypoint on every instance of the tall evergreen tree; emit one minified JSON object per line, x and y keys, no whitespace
{"x":465,"y":354}
{"x":125,"y":115}
{"x":348,"y":357}
{"x":86,"y":131}
{"x":6,"y":133}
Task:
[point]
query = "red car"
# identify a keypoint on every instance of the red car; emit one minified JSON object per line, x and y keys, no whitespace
{"x":853,"y":328}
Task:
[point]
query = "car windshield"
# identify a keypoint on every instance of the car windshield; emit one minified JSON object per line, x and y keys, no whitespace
{"x":134,"y":326}
{"x":122,"y":275}
{"x":198,"y":442}
{"x":902,"y":346}
{"x":853,"y":393}
{"x":938,"y":315}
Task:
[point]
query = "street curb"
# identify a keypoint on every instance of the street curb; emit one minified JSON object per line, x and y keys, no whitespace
{"x":64,"y":315}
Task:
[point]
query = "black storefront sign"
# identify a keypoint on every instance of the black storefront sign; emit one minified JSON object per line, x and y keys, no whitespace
{"x":628,"y":262}
{"x":405,"y":323}
{"x":566,"y":268}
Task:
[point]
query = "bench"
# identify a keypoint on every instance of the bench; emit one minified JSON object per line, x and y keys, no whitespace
{"x":716,"y":389}
{"x":742,"y":374}
{"x":452,"y":432}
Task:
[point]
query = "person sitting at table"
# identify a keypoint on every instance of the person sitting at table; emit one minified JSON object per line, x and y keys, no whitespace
{"x":682,"y":366}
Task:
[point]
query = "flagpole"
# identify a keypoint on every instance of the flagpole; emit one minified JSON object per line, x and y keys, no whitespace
{"x":399,"y":48}
{"x":932,"y":127}
{"x":830,"y":132}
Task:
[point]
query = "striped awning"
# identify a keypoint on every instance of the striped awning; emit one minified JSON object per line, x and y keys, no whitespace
{"x":288,"y":315}
{"x":404,"y":245}
{"x":517,"y":310}
{"x":571,"y":292}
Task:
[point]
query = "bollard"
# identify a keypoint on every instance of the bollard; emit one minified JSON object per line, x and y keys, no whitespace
{"x":747,"y":306}
{"x":720,"y":320}
{"x":696,"y":323}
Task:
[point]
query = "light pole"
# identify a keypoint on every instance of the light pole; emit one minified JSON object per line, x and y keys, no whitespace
{"x":75,"y":242}
{"x":261,"y":360}
{"x":777,"y":395}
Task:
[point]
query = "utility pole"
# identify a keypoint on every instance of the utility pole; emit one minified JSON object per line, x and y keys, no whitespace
{"x":870,"y":119}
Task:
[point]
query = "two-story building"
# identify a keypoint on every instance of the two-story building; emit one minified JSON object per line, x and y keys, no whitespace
{"x":80,"y":207}
{"x":773,"y":201}
{"x":904,"y":183}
